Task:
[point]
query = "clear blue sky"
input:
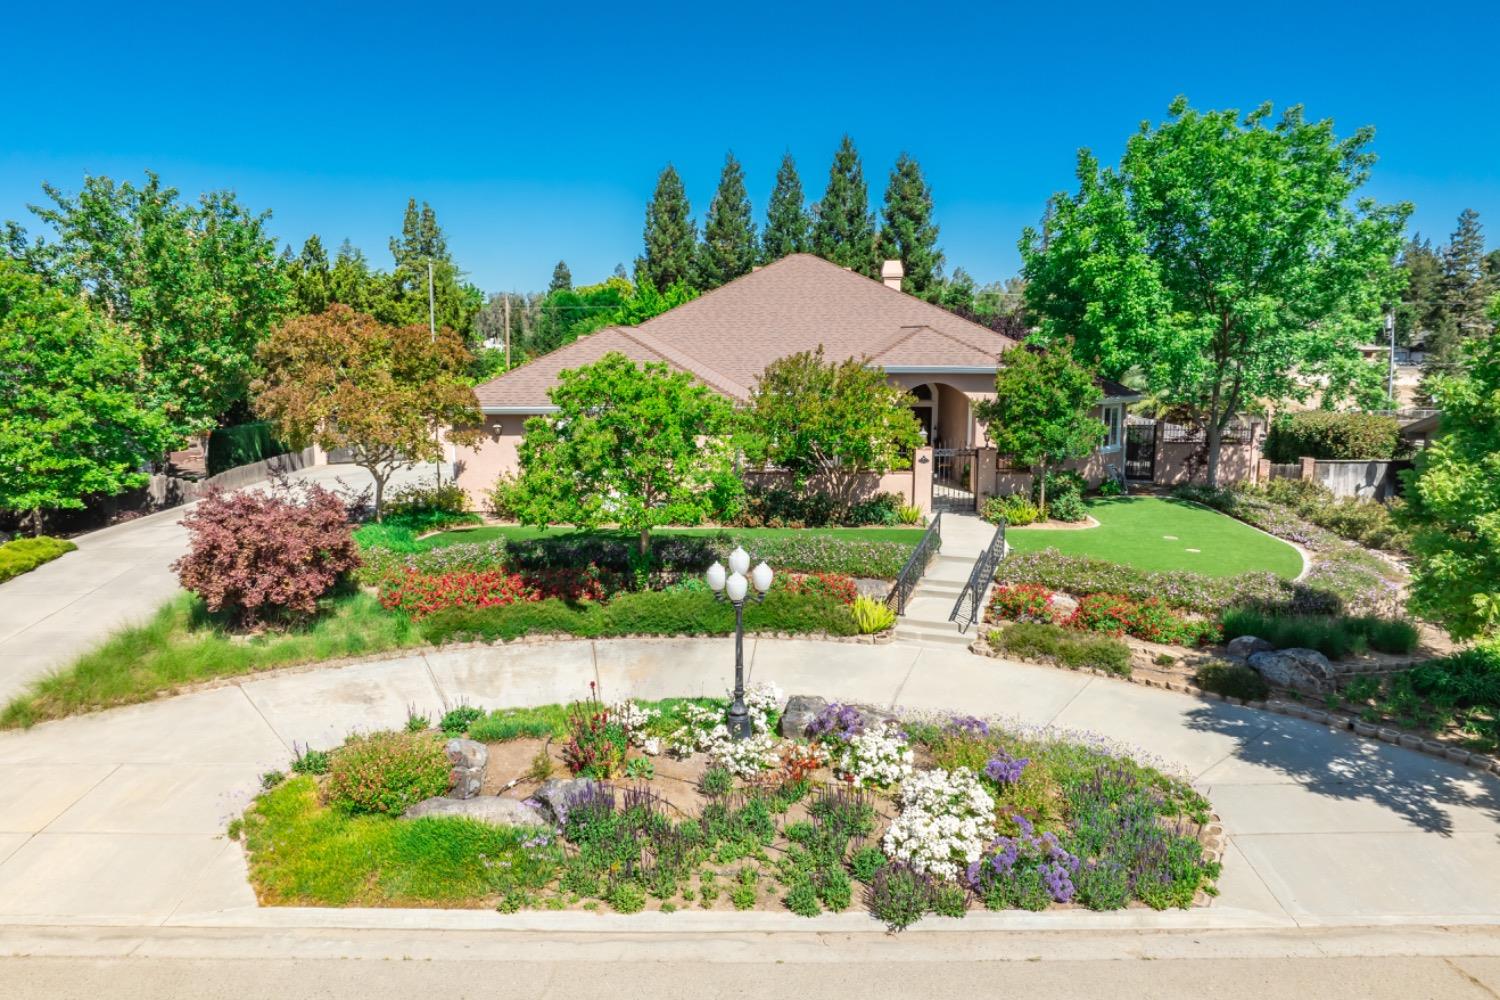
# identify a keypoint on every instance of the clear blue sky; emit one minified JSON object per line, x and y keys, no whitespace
{"x":537,"y":130}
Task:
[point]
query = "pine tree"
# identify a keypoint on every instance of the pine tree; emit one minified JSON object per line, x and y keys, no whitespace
{"x":311,"y":284}
{"x":621,"y":273}
{"x":728,"y":248}
{"x":788,"y":225}
{"x":1420,"y":308}
{"x":562,"y":278}
{"x":671,"y":236}
{"x":909,"y":234}
{"x":844,"y":230}
{"x":1464,"y":292}
{"x":421,"y":239}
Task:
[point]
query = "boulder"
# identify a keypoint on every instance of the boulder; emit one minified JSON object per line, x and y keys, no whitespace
{"x":1063,"y":605}
{"x":468,"y":759}
{"x":491,"y":809}
{"x":1299,"y":669}
{"x":800,"y":710}
{"x":1243,"y":647}
{"x":555,"y":794}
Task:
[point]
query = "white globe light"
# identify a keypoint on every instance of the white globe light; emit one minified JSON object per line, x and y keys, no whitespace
{"x":739,"y":561}
{"x":715,"y":577}
{"x":761,"y":578}
{"x":736,"y":587}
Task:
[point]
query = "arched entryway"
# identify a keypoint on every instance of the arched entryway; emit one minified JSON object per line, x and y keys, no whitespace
{"x":947,"y":420}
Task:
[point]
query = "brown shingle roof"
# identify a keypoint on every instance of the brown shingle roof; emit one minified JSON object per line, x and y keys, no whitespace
{"x":726,"y":337}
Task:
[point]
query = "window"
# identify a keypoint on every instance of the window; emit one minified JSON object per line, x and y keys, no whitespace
{"x":1112,"y":428}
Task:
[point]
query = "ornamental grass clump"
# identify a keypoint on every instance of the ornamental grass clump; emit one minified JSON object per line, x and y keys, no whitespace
{"x":386,"y":772}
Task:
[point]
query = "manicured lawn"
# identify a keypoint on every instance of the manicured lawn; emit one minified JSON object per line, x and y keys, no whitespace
{"x":517,"y":532}
{"x":1162,"y":535}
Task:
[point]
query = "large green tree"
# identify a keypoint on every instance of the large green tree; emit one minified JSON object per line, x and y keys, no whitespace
{"x":832,"y":425}
{"x":73,"y":420}
{"x":312,"y":278}
{"x":1227,"y":256}
{"x":454,"y":302}
{"x":1040,"y":416}
{"x":1419,"y":309}
{"x":562,"y":278}
{"x":1464,"y":290}
{"x":1453,"y":507}
{"x":788,"y":224}
{"x":635,"y":446}
{"x":198,"y":284}
{"x":671,"y":236}
{"x":843,"y":227}
{"x":908,"y":233}
{"x":728,"y":248}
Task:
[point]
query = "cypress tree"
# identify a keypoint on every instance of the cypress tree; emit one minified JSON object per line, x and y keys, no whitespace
{"x":844,"y":230}
{"x":788,"y":225}
{"x":728,"y":248}
{"x":671,"y":237}
{"x":562,"y":278}
{"x":909,"y":234}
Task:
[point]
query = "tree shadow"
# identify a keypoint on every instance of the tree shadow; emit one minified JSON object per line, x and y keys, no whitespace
{"x":1342,"y":766}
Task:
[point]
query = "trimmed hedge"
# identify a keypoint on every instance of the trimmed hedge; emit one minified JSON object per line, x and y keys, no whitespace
{"x":242,"y":444}
{"x":25,"y":554}
{"x":654,"y":612}
{"x":1322,"y":434}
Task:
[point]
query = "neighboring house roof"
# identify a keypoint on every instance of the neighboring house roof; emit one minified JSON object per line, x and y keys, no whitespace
{"x":1114,"y":390}
{"x":726,"y":337}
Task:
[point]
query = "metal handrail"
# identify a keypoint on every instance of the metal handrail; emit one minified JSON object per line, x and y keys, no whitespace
{"x":979,"y":581}
{"x":916,"y":565}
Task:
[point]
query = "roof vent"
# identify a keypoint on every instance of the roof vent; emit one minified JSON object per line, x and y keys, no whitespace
{"x":891,"y":273}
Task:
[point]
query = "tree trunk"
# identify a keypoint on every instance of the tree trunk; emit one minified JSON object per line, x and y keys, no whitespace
{"x":379,"y":494}
{"x":1042,"y":495}
{"x":645,"y":541}
{"x":1215,"y":435}
{"x":36,"y":522}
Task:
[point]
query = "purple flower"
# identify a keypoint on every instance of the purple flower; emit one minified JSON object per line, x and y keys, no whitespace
{"x":836,"y":721}
{"x":1003,"y":769}
{"x":968,"y":725}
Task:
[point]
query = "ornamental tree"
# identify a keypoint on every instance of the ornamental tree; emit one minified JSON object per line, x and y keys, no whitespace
{"x":830,"y":424}
{"x":341,"y":379}
{"x":1040,"y":414}
{"x":1227,"y":257}
{"x":634,"y":446}
{"x":73,"y":419}
{"x":1453,"y":508}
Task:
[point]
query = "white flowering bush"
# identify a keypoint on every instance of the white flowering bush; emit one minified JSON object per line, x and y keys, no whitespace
{"x":876,"y":758}
{"x":636,"y":719}
{"x":947,"y":819}
{"x":704,"y":731}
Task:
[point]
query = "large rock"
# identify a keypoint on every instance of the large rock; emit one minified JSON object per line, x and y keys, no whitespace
{"x":489,"y":809}
{"x":556,"y":794}
{"x":468,"y":759}
{"x":1245,"y":646}
{"x":1299,"y":669}
{"x":800,"y":710}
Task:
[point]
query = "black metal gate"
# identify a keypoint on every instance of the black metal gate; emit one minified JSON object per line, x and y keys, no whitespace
{"x":1140,"y":450}
{"x":953,"y":479}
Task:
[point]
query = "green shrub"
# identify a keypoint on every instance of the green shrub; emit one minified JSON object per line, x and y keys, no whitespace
{"x":1034,"y":640}
{"x":229,"y":447}
{"x":1461,"y":689}
{"x":910,"y":513}
{"x":1060,"y":483}
{"x":1333,"y":636}
{"x":1323,"y":434}
{"x":1068,"y":507}
{"x":25,"y":554}
{"x":871,"y":616}
{"x":387,"y":772}
{"x":1014,"y":510}
{"x":866,"y":861}
{"x":685,"y":612}
{"x":1111,"y":488}
{"x":457,"y":721}
{"x":1232,"y":680}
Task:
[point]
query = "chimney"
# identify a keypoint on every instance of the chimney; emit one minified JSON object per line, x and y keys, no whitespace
{"x":891,"y":274}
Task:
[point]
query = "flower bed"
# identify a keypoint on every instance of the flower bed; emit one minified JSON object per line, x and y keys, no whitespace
{"x":1111,"y":614}
{"x":931,"y":814}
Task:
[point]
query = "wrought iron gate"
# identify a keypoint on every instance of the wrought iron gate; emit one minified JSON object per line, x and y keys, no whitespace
{"x":953,"y":471}
{"x":1140,"y":450}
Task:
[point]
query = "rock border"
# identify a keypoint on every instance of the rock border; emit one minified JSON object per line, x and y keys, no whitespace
{"x":1334,"y":720}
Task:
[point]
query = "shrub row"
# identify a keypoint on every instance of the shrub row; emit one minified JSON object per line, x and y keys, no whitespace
{"x":1335,"y":637}
{"x":781,"y":507}
{"x":1069,"y":648}
{"x":1150,"y":620}
{"x":1323,"y":434}
{"x":241,"y":444}
{"x":1367,"y":522}
{"x":686,"y":611}
{"x":25,"y":554}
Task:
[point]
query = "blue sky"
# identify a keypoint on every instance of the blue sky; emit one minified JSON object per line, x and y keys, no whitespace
{"x":537,"y":131}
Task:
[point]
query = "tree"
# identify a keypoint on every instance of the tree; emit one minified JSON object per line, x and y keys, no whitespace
{"x":454,"y":302}
{"x":342,"y":379}
{"x":788,"y":224}
{"x":639,"y":447}
{"x":352,"y":283}
{"x":562,"y":278}
{"x":830,"y":424}
{"x":1040,"y":414}
{"x":909,"y":234}
{"x":1227,"y":258}
{"x":843,"y":227}
{"x":1464,"y":290}
{"x":728,"y":248}
{"x":312,"y":280}
{"x":199,"y":285}
{"x":1453,"y":508}
{"x":671,"y":236}
{"x":74,"y":420}
{"x":1420,"y":308}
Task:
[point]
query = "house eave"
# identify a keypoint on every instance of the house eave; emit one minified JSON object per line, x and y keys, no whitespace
{"x":940,"y":369}
{"x":501,"y":411}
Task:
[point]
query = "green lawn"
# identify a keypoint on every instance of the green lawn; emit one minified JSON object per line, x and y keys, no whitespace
{"x":514,"y":532}
{"x":1160,"y":535}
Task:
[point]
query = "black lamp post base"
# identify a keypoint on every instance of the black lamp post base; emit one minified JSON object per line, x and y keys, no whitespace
{"x":738,"y":721}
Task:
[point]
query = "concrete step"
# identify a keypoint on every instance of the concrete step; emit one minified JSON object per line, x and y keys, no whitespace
{"x":950,"y":568}
{"x":939,"y":634}
{"x":934,"y":588}
{"x":928,"y":608}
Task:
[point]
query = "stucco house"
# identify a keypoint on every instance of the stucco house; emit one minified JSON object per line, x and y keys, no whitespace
{"x":727,"y":337}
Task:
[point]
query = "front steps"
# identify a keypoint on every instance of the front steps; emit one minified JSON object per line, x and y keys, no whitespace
{"x":926,"y":620}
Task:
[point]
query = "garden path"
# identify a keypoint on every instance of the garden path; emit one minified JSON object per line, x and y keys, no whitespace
{"x":117,"y":818}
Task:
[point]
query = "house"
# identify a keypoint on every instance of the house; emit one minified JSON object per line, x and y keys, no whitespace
{"x":727,"y":337}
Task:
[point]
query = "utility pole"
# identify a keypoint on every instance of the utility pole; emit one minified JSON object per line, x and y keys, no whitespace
{"x":507,"y":331}
{"x":431,"y":304}
{"x":1390,"y":372}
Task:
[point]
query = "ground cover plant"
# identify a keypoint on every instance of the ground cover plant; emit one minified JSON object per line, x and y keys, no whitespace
{"x":1151,"y":619}
{"x":1458,"y":693}
{"x":1367,"y":522}
{"x":1067,"y":647}
{"x":930,"y":814}
{"x":22,"y":555}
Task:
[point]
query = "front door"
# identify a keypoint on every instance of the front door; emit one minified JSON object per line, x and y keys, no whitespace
{"x":1140,"y":451}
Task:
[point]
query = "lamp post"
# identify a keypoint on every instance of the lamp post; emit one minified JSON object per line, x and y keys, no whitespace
{"x":735,"y":588}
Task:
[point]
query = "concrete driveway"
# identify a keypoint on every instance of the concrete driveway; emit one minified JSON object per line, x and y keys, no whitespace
{"x":119,"y":575}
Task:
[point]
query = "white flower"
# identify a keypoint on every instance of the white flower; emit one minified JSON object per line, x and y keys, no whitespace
{"x":878,"y":757}
{"x":946,"y":820}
